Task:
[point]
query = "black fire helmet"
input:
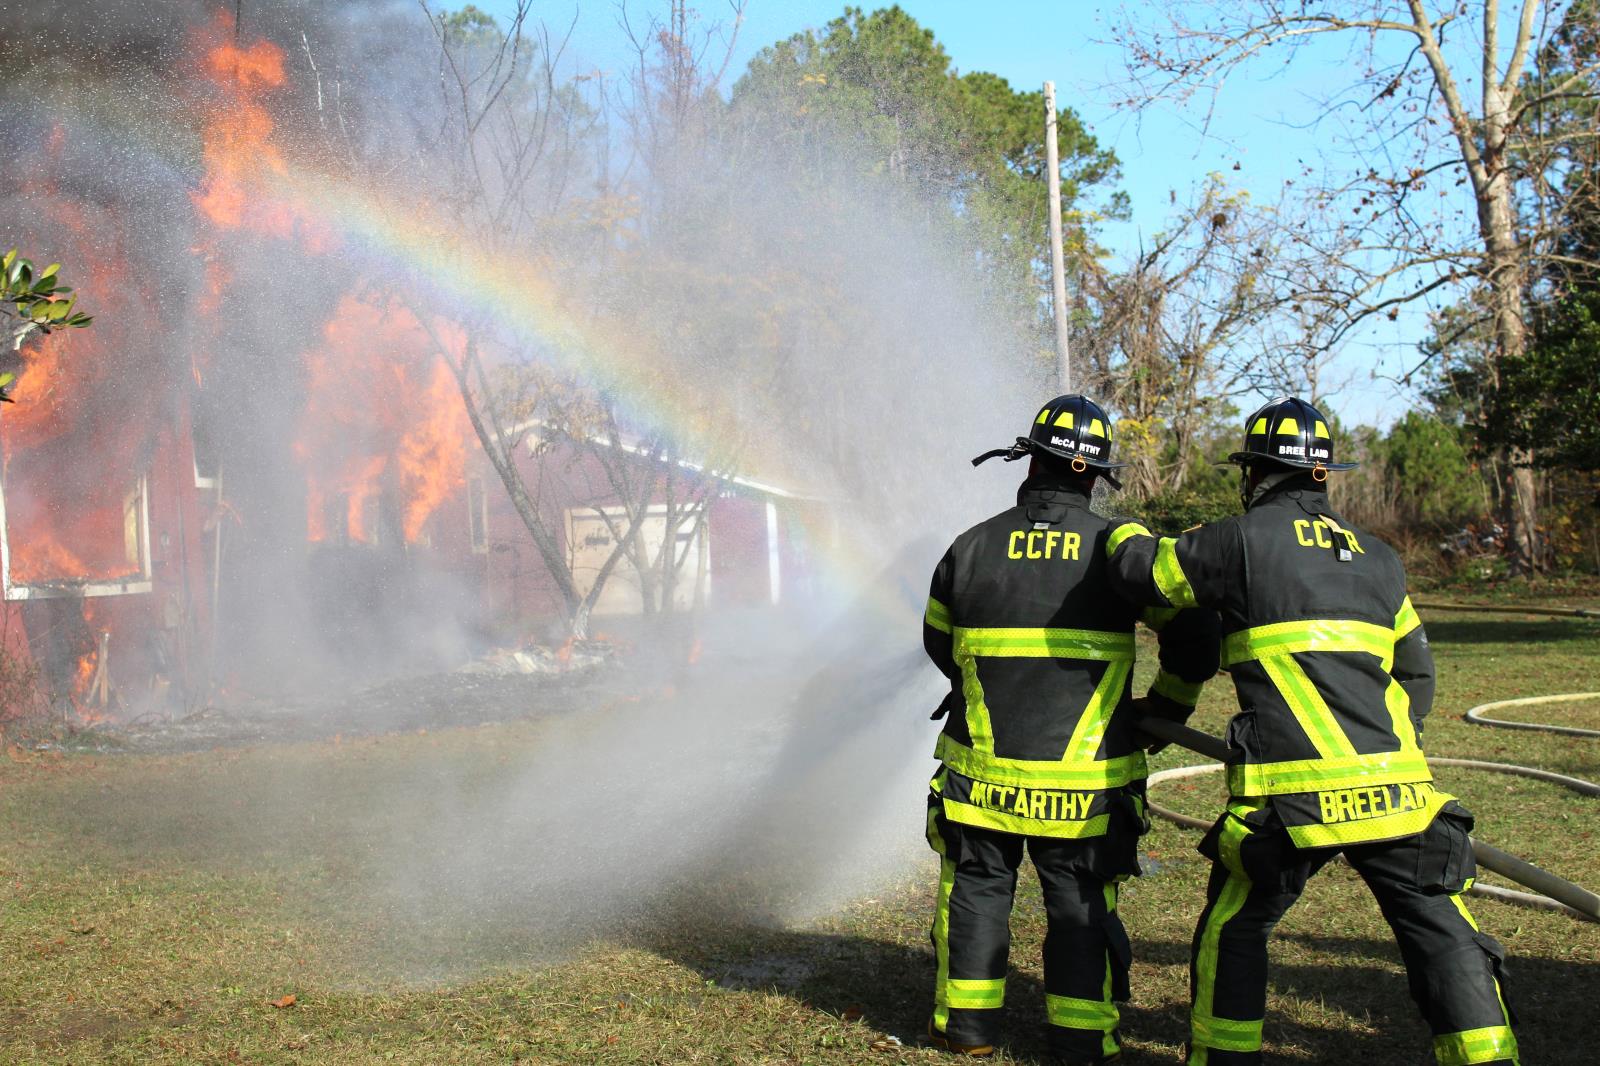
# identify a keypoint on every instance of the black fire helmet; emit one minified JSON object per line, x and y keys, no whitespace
{"x":1071,"y":430}
{"x":1292,"y":433}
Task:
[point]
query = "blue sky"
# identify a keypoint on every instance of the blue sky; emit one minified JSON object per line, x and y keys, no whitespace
{"x":1260,"y":125}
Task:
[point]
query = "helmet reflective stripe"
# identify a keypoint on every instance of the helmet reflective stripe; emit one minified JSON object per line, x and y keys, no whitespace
{"x":1289,"y":432}
{"x":1072,"y":429}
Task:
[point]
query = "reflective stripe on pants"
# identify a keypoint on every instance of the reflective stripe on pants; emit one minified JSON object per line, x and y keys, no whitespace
{"x":1454,"y":970}
{"x":1085,"y":949}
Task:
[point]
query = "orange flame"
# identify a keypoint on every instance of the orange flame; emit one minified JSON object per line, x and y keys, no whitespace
{"x":383,"y":421}
{"x":88,"y":698}
{"x":237,"y":144}
{"x":71,"y":441}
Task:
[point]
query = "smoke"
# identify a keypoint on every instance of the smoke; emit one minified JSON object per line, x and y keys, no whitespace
{"x":809,"y":314}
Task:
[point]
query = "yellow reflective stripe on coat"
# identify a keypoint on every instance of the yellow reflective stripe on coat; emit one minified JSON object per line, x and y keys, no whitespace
{"x":1383,"y":827}
{"x":1071,"y":1012}
{"x":1313,"y":775}
{"x":1398,"y":703}
{"x":1308,"y":707}
{"x":1096,"y":716}
{"x":1097,"y":644}
{"x":1321,"y":634}
{"x":975,"y":993}
{"x":1006,"y":822}
{"x":979,"y":726}
{"x":1122,"y":533}
{"x":1039,"y":773}
{"x":937,"y":615}
{"x":1489,"y":1044}
{"x":1405,"y":620}
{"x":1169,"y":575}
{"x":1176,"y":688}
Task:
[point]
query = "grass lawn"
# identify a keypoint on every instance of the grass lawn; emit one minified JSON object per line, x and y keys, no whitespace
{"x":162,"y":908}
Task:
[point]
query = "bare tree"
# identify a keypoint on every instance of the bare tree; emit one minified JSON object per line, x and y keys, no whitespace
{"x":670,"y":105}
{"x":513,"y":139}
{"x":1431,"y":108}
{"x":1210,"y":310}
{"x":653,"y":483}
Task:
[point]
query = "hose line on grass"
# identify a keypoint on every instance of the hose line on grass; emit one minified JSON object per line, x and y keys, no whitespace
{"x":1477,"y":717}
{"x":1489,"y":608}
{"x":1555,"y":893}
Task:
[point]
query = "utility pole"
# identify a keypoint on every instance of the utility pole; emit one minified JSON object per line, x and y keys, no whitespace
{"x":1058,"y":273}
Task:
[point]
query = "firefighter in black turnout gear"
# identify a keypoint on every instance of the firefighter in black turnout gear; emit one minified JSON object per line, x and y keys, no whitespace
{"x":1039,"y":747}
{"x":1334,"y":678}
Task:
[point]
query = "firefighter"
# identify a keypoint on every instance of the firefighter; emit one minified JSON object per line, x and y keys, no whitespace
{"x":1334,"y":678}
{"x":1039,"y":748}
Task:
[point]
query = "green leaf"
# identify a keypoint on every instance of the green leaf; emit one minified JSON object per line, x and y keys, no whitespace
{"x":49,"y":271}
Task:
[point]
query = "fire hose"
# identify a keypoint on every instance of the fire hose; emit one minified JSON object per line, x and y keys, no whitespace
{"x":1477,"y":717}
{"x":1489,"y":608}
{"x":1554,"y":893}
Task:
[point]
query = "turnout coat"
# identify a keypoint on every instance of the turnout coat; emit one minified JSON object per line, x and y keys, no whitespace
{"x":1039,"y":738}
{"x":1330,"y":661}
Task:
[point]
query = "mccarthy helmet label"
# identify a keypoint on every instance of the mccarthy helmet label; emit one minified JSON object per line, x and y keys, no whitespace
{"x":1072,"y":445}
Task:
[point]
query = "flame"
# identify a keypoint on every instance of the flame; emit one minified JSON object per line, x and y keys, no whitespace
{"x":85,"y":697}
{"x":383,"y":421}
{"x":432,"y":453}
{"x":41,"y":553}
{"x":83,"y":675}
{"x":86,"y":399}
{"x":236,"y":139}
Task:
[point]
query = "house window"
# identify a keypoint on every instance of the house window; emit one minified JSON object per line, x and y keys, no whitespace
{"x":103,"y":551}
{"x":133,"y":527}
{"x":591,"y":540}
{"x":477,"y":514}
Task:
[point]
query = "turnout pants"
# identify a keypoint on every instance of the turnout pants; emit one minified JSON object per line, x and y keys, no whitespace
{"x":1086,"y":950}
{"x":1455,"y":971}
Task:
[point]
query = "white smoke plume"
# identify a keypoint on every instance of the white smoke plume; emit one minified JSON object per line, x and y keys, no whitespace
{"x":785,"y":771}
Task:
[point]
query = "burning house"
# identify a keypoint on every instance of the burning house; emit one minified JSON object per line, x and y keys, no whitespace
{"x":211,"y":491}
